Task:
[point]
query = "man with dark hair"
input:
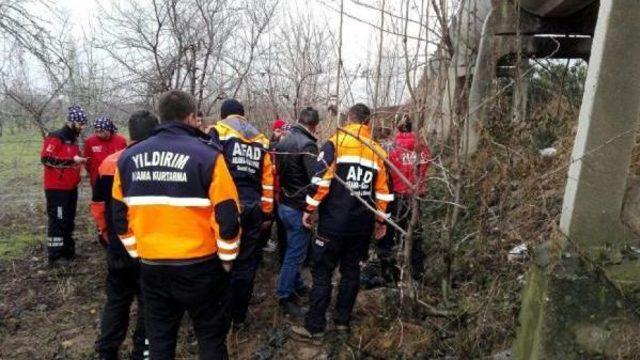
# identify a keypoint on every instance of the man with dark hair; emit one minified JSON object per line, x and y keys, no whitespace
{"x":295,"y":164}
{"x":200,"y":120}
{"x":247,"y":153}
{"x":62,"y":162}
{"x":123,"y":271}
{"x":176,"y":208}
{"x":350,"y":171}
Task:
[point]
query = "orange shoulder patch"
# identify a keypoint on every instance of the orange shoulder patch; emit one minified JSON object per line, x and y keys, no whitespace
{"x":108,"y":166}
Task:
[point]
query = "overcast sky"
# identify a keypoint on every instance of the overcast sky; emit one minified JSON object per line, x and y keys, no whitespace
{"x":359,"y":40}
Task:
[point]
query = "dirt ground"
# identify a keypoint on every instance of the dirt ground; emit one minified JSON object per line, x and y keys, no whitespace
{"x":55,"y":314}
{"x":47,"y":314}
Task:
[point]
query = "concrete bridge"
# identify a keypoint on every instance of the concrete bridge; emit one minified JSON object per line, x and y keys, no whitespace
{"x":582,"y":289}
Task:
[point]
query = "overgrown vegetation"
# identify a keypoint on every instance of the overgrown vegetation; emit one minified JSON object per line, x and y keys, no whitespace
{"x":511,"y":195}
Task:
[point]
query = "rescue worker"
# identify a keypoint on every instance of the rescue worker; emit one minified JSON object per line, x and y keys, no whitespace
{"x":295,"y":164}
{"x":176,"y":208}
{"x":246,"y":151}
{"x":200,"y":120}
{"x":62,"y":162}
{"x":350,"y":170}
{"x":277,"y":133}
{"x":104,"y":142}
{"x":412,"y":158}
{"x":123,"y":271}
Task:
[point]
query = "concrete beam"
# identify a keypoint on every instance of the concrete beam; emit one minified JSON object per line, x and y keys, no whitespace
{"x":580,"y":23}
{"x":554,"y":8}
{"x":607,"y":128}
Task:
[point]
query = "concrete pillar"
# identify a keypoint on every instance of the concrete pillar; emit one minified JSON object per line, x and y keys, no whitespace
{"x":584,"y":307}
{"x":521,"y":92}
{"x":483,"y":76}
{"x":491,"y":49}
{"x":607,"y":129}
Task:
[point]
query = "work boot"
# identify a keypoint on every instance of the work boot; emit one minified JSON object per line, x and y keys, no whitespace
{"x":302,"y":291}
{"x":300,"y":333}
{"x":108,"y":355}
{"x":290,"y":308}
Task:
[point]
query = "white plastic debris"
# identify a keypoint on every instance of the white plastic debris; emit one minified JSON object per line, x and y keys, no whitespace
{"x":519,"y":252}
{"x":548,"y":152}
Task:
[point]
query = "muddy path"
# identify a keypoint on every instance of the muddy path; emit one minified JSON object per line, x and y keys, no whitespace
{"x":55,"y":314}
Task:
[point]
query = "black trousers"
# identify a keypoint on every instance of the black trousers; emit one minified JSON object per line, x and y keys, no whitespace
{"x":246,"y":264}
{"x":61,"y":210}
{"x":326,"y":255}
{"x":123,"y":286}
{"x":387,"y":246}
{"x":200,"y":289}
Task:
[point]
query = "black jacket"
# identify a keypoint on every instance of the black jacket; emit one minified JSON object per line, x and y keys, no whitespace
{"x":295,"y":164}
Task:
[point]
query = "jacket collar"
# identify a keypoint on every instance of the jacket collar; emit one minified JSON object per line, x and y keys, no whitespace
{"x":360,"y":130}
{"x":241,"y":125}
{"x":178,"y":128}
{"x":304,"y":131}
{"x":68,"y":133}
{"x":406,"y":140}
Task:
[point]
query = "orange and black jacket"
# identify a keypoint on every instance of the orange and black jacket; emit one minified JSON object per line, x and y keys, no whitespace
{"x":101,"y":204}
{"x":246,"y":151}
{"x":174,"y":198}
{"x":346,"y":159}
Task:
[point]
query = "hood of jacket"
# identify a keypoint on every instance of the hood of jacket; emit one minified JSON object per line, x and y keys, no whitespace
{"x":406,"y":140}
{"x":241,"y":125}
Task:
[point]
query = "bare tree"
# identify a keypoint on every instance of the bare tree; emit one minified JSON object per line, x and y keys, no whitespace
{"x":298,"y":67}
{"x":39,"y":67}
{"x":23,"y":91}
{"x":205,"y":47}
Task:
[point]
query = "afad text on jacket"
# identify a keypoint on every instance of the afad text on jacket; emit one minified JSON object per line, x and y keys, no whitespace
{"x":246,"y":152}
{"x":349,"y":158}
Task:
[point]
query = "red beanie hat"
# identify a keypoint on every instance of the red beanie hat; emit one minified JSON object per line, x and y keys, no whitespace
{"x":278,"y":124}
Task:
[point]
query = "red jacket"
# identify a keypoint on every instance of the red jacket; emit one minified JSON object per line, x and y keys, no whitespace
{"x":96,"y":150}
{"x":404,"y":156}
{"x":58,"y":150}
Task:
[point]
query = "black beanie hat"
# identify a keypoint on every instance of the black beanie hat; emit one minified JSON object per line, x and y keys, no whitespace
{"x":231,"y":107}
